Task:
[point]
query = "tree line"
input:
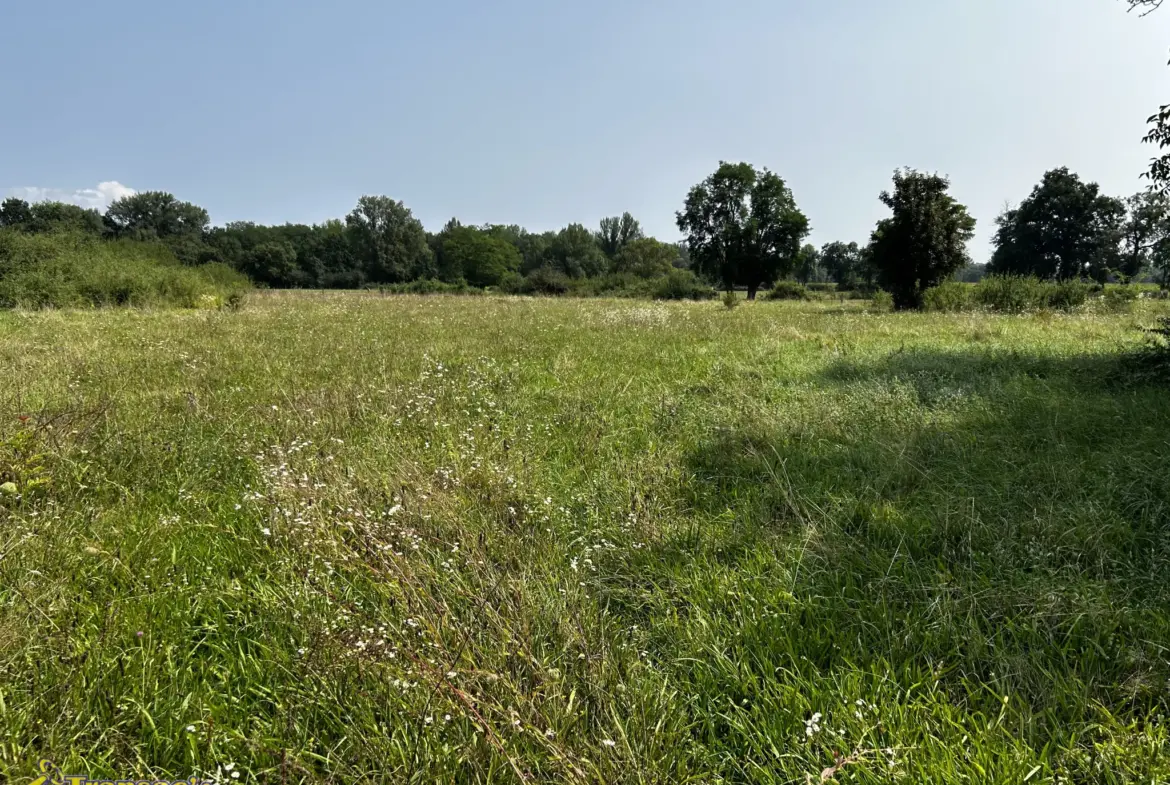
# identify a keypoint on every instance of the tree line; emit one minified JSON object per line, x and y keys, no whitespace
{"x":742,"y":228}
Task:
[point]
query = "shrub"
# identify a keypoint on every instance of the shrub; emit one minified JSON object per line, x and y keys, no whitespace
{"x":822,"y":286}
{"x":730,"y":300}
{"x":681,"y":285}
{"x":883,"y":300}
{"x":1010,"y":293}
{"x":1119,"y":298}
{"x":949,"y":297}
{"x":787,"y":290}
{"x":1068,"y":295}
{"x":75,"y":270}
{"x":546,"y":280}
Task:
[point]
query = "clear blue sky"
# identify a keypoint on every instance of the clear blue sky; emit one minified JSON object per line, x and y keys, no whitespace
{"x":543,"y":113}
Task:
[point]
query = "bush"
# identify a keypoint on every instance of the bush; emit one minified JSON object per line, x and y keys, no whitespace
{"x":546,"y":280}
{"x":1017,"y":294}
{"x":76,"y":270}
{"x":1068,"y":295}
{"x":1119,"y":299}
{"x":950,"y":297}
{"x":730,"y":300}
{"x":787,"y":290}
{"x":826,"y":287}
{"x":883,"y":300}
{"x":681,"y":285}
{"x":1010,"y":293}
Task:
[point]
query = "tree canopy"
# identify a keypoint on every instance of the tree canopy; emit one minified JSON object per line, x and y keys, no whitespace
{"x":924,"y":242}
{"x":743,"y":227}
{"x":1066,"y":228}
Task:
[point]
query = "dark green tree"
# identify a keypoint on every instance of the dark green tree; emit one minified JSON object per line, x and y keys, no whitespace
{"x":1146,"y":228}
{"x":15,"y":213}
{"x":61,"y":217}
{"x":273,"y":263}
{"x":478,"y":256}
{"x":843,"y":263}
{"x":156,"y":215}
{"x":925,"y":240}
{"x":1065,"y":229}
{"x":808,"y":264}
{"x":389,"y":241}
{"x":616,"y":233}
{"x":743,"y":227}
{"x":574,"y":252}
{"x":646,"y":258}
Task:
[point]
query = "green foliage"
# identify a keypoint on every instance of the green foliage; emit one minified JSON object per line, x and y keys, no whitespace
{"x":156,"y":215}
{"x":925,"y":241}
{"x":1119,"y":299}
{"x":730,"y":300}
{"x":271,"y":263}
{"x":390,"y":241}
{"x":546,"y":280}
{"x":808,"y":265}
{"x":432,"y":286}
{"x":617,"y":233}
{"x":681,"y":285}
{"x":948,"y":297}
{"x":743,"y":227}
{"x":574,"y":252}
{"x":788,"y":290}
{"x":74,"y":270}
{"x":23,"y":463}
{"x":882,"y":300}
{"x":1066,"y":229}
{"x":477,"y":256}
{"x":845,"y":264}
{"x":1007,"y":294}
{"x":646,"y":257}
{"x":45,"y":217}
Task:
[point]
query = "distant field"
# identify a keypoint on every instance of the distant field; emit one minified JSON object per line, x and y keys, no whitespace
{"x":349,"y":538}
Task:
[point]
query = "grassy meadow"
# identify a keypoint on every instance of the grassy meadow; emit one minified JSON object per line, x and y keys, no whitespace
{"x":349,"y":538}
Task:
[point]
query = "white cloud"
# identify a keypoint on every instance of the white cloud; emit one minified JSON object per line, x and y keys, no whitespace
{"x":99,"y":198}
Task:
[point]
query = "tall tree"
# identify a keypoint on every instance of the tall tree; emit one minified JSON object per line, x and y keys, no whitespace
{"x":574,"y":251}
{"x":646,"y":258}
{"x":42,"y":217}
{"x":1146,"y":228}
{"x":808,"y":263}
{"x":389,"y":241}
{"x":616,"y":233}
{"x":842,"y":263}
{"x":925,"y":240}
{"x":1065,"y":229}
{"x":479,"y":256}
{"x":156,"y":215}
{"x":15,"y":213}
{"x":743,"y":227}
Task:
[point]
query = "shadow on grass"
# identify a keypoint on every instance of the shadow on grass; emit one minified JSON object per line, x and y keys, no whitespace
{"x":996,"y":522}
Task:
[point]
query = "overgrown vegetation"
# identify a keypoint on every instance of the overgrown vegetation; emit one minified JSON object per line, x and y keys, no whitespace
{"x":69,"y":270}
{"x":335,"y":537}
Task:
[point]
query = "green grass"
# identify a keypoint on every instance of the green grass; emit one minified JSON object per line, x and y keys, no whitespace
{"x":351,"y":538}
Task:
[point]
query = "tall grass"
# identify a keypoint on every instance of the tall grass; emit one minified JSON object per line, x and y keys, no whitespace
{"x":68,"y":270}
{"x":344,"y":538}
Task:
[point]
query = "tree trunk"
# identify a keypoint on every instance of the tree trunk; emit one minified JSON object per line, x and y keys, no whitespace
{"x":752,"y":292}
